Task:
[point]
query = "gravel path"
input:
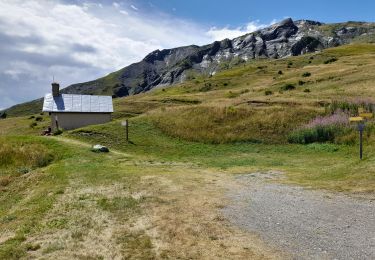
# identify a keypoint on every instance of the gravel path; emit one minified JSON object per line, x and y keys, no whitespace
{"x":303,"y":223}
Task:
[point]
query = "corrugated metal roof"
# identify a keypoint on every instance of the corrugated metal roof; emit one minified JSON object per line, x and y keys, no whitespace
{"x":78,"y":103}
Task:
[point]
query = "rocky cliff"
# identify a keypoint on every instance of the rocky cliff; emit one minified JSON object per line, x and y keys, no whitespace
{"x":170,"y":66}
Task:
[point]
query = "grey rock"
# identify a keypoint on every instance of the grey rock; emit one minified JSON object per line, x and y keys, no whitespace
{"x":286,"y":38}
{"x":100,"y":148}
{"x":171,"y":66}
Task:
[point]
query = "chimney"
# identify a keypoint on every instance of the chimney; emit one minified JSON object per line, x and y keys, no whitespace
{"x":55,"y":89}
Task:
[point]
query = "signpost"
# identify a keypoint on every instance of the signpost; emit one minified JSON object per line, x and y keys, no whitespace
{"x":360,"y":120}
{"x":57,"y":123}
{"x":126,"y":124}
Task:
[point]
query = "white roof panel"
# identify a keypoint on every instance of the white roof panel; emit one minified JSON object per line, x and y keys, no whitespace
{"x":78,"y":103}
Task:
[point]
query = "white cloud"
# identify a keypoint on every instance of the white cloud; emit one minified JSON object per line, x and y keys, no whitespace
{"x":76,"y":43}
{"x":134,"y":8}
{"x":124,"y":12}
{"x":218,"y":34}
{"x":81,"y":42}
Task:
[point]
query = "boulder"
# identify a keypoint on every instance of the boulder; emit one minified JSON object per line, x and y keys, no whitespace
{"x":100,"y":149}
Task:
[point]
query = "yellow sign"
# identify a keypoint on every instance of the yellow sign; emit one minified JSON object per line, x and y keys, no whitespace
{"x":356,"y":119}
{"x":365,"y":115}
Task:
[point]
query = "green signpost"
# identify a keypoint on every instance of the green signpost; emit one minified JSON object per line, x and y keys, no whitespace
{"x":360,"y":120}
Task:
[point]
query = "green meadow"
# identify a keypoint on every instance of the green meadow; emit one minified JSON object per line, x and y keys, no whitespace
{"x":158,"y":195}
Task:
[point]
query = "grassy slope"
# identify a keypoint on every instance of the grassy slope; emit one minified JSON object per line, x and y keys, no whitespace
{"x":158,"y":196}
{"x":94,"y":206}
{"x":232,"y":107}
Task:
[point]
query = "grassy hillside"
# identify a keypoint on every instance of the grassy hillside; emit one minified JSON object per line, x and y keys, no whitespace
{"x":261,"y":101}
{"x":160,"y":195}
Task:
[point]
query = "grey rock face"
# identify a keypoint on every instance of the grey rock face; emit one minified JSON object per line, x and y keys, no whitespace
{"x":166,"y":67}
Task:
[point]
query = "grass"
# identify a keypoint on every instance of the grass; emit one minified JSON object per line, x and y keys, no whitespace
{"x":299,"y":161}
{"x":158,"y":195}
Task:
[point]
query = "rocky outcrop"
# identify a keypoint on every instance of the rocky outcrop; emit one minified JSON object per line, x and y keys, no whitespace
{"x":287,"y":38}
{"x":170,"y":66}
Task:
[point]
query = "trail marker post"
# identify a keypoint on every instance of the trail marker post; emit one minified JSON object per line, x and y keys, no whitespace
{"x":360,"y":120}
{"x":57,"y":123}
{"x":126,"y":125}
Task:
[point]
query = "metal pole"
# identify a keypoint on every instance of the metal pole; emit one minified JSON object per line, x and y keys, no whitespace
{"x":127,"y":130}
{"x":360,"y":144}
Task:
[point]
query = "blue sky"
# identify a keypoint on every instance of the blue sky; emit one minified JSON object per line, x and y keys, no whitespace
{"x":239,"y":12}
{"x":81,"y":40}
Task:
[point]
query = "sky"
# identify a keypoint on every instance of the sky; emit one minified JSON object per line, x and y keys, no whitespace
{"x":79,"y":40}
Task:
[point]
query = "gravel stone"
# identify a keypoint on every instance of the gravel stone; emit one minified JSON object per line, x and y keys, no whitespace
{"x":303,"y":223}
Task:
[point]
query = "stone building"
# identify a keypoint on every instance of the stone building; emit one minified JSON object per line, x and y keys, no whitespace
{"x":70,"y":111}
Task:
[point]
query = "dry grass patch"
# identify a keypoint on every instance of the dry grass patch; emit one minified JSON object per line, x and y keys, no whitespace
{"x":230,"y":124}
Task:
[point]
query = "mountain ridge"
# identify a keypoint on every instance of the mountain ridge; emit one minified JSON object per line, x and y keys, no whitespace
{"x":171,"y":66}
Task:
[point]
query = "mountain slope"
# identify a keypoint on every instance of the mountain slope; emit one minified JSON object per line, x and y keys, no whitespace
{"x":171,"y":66}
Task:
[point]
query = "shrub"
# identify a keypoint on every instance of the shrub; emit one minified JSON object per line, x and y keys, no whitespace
{"x":290,"y":63}
{"x":306,"y":74}
{"x":225,"y":84}
{"x":31,"y":117}
{"x":287,"y":87}
{"x":231,"y":94}
{"x":268,"y":92}
{"x":331,"y":60}
{"x":280,"y":72}
{"x":312,"y":135}
{"x":33,"y":124}
{"x":38,"y":118}
{"x":206,"y":87}
{"x":321,"y":129}
{"x":351,"y":106}
{"x":58,"y":132}
{"x":306,"y":90}
{"x":3,"y":115}
{"x":301,"y":82}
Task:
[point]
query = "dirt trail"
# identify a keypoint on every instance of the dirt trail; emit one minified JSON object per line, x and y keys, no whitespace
{"x":305,"y":224}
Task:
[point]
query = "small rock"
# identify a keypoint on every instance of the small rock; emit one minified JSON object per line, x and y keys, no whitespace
{"x":100,"y":149}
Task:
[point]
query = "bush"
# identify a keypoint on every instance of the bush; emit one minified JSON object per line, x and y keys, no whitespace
{"x":306,"y":74}
{"x":321,"y":129}
{"x":351,"y":106}
{"x":280,"y":72}
{"x":331,"y":60}
{"x":287,"y":87}
{"x":306,"y":90}
{"x":301,"y":82}
{"x":206,"y":87}
{"x":312,"y":135}
{"x":39,"y":118}
{"x":3,"y":115}
{"x":231,"y":94}
{"x":33,"y":124}
{"x":58,"y":132}
{"x":268,"y":92}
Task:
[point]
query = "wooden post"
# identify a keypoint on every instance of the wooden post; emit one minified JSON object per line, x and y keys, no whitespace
{"x":126,"y":125}
{"x":57,"y":123}
{"x":361,"y":127}
{"x":127,"y":130}
{"x":360,"y":144}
